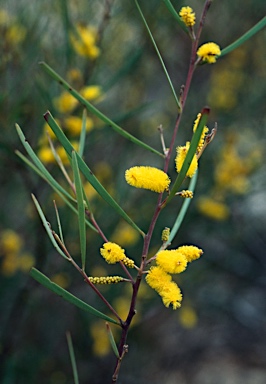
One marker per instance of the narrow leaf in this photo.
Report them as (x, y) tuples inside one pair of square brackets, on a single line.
[(183, 211), (190, 154), (112, 340), (256, 28), (87, 172), (82, 133), (35, 169), (72, 357), (81, 209), (59, 223), (95, 111), (47, 227), (159, 56), (39, 164), (46, 282)]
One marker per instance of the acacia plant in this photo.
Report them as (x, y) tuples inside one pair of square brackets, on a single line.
[(158, 269)]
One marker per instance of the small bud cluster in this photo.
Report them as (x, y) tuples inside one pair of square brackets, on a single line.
[(188, 16), (165, 234), (106, 280), (186, 194), (128, 262)]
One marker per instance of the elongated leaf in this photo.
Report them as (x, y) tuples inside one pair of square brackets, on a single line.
[(59, 223), (96, 112), (190, 154), (39, 164), (112, 340), (46, 282), (35, 169), (183, 211), (81, 209), (173, 12), (87, 172), (82, 133), (72, 358), (159, 56), (47, 227), (261, 24)]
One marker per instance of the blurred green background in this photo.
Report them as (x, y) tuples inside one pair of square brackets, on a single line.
[(219, 334)]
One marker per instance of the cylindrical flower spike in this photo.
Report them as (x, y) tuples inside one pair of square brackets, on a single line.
[(208, 52), (171, 261), (106, 280), (188, 16), (157, 278), (150, 178), (191, 252), (180, 158), (112, 252), (204, 132)]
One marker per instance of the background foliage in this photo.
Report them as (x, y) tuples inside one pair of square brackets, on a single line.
[(220, 327)]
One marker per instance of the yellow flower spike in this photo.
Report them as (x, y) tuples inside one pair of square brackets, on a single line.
[(157, 278), (208, 52), (150, 178), (65, 103), (213, 209), (124, 234), (46, 155), (112, 253), (188, 317), (191, 252), (188, 16), (171, 261), (10, 265), (171, 295), (91, 92), (100, 342), (74, 124), (15, 34), (180, 158), (85, 43), (204, 132), (10, 241), (25, 262)]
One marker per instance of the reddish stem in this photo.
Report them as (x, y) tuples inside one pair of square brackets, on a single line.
[(147, 239)]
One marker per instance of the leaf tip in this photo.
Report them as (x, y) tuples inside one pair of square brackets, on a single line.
[(46, 115), (205, 110)]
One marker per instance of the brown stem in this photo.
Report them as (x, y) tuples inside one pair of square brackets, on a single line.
[(147, 238), (87, 280), (96, 225)]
